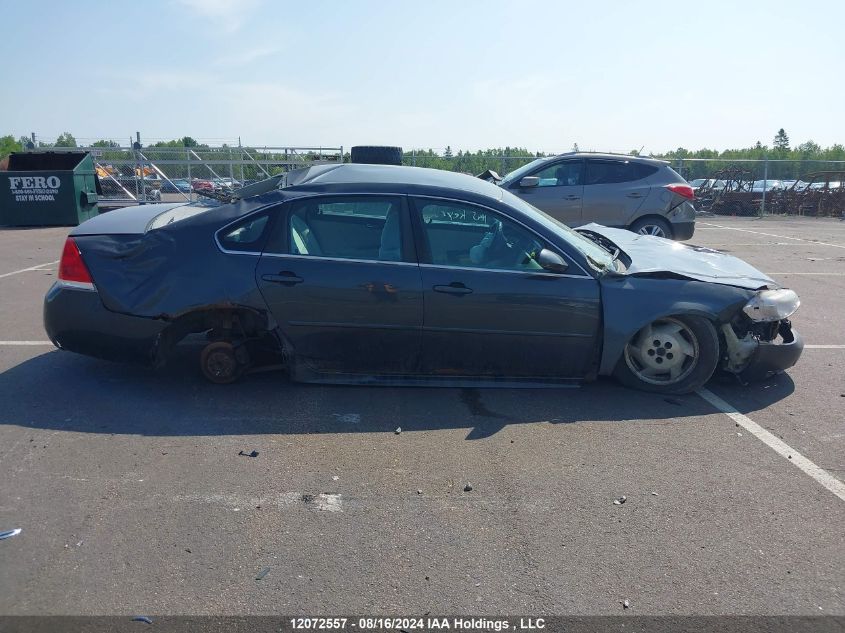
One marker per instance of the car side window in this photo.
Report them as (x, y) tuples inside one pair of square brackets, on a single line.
[(473, 237), (605, 172), (355, 227), (566, 174), (245, 236)]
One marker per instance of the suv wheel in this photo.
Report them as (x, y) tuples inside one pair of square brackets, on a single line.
[(658, 227)]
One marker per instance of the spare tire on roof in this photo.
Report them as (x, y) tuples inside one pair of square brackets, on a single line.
[(376, 155)]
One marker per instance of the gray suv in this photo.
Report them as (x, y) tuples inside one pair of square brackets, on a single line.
[(640, 194)]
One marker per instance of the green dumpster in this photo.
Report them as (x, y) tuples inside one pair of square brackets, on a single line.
[(48, 188)]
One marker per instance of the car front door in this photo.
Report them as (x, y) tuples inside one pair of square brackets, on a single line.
[(559, 192), (490, 309), (339, 274), (614, 190)]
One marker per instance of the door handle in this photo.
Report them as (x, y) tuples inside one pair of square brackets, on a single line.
[(571, 197), (635, 194), (454, 288), (285, 277)]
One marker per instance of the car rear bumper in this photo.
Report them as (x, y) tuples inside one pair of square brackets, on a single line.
[(773, 357), (683, 230), (76, 320)]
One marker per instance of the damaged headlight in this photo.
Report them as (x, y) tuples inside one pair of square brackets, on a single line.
[(772, 305)]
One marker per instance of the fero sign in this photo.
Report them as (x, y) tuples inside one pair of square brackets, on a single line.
[(35, 188)]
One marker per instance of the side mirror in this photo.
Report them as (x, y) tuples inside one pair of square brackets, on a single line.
[(551, 261), (529, 181)]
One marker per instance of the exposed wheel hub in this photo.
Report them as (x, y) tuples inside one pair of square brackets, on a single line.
[(221, 364)]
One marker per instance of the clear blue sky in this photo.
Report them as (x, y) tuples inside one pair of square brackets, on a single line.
[(464, 73)]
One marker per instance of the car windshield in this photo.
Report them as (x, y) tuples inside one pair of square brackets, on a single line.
[(599, 258), (518, 173)]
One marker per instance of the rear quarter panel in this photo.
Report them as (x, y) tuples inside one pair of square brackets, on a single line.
[(168, 272)]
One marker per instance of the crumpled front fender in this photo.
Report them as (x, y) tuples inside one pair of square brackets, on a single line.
[(632, 302)]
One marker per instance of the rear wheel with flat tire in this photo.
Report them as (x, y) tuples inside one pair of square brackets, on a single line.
[(671, 355), (657, 227)]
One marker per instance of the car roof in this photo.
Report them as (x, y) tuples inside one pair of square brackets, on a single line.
[(609, 155), (387, 177)]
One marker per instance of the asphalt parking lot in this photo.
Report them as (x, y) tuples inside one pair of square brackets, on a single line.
[(132, 496)]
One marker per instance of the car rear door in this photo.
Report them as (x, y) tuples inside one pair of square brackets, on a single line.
[(339, 274), (560, 191), (614, 189), (493, 311)]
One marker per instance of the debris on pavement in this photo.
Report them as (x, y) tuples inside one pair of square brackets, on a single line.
[(323, 502), (620, 500), (468, 487), (335, 477), (252, 454), (9, 533), (262, 573), (654, 494), (142, 618), (398, 430), (626, 604), (419, 491)]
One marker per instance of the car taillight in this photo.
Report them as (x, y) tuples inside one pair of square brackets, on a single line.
[(685, 191), (72, 268)]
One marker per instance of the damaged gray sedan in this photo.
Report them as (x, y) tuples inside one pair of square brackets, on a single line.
[(370, 274)]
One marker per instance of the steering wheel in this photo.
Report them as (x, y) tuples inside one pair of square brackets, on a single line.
[(506, 244)]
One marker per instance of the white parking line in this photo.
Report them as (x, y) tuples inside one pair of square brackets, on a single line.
[(776, 444), (808, 274), (824, 347), (781, 237), (26, 270), (25, 343)]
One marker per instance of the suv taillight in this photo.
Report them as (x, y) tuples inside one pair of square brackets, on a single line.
[(685, 191), (72, 268)]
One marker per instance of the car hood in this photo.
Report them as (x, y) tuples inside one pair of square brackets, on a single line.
[(655, 255)]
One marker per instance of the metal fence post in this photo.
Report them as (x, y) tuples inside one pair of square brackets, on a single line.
[(190, 181), (765, 182), (241, 159)]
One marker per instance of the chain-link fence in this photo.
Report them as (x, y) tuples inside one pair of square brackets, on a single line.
[(766, 186), (130, 175)]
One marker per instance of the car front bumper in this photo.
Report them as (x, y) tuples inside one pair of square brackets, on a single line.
[(772, 357), (76, 320)]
